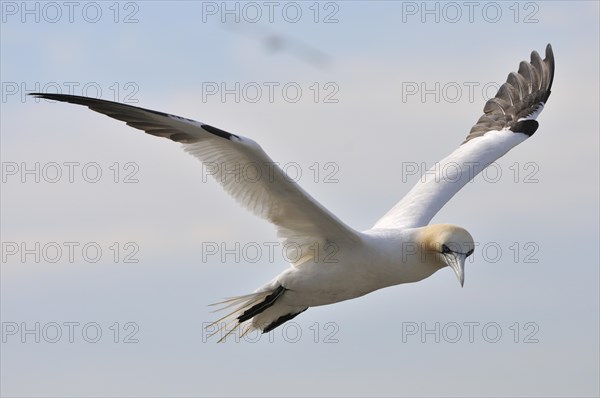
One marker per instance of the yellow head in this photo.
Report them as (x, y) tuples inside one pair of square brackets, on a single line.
[(447, 245)]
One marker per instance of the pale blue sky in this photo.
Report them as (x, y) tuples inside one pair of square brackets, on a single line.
[(544, 283)]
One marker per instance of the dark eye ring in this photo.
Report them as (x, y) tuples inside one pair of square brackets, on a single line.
[(446, 249)]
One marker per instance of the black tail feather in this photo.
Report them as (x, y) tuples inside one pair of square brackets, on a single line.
[(260, 307), (282, 319)]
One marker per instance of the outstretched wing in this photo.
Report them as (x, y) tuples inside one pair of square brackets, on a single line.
[(508, 120), (245, 171)]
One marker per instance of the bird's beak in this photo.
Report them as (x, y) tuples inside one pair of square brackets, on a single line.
[(456, 261)]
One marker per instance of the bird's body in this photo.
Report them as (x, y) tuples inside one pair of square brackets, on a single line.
[(381, 258), (331, 262), (378, 260)]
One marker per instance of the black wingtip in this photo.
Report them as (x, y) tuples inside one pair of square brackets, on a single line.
[(527, 127), (519, 98), (56, 96), (44, 95)]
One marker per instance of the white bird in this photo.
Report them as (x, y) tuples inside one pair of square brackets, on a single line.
[(334, 262)]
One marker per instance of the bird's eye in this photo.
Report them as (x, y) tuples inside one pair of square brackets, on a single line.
[(446, 249)]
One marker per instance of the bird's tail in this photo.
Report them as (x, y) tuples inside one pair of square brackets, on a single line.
[(245, 308)]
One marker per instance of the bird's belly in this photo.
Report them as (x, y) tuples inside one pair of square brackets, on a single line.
[(319, 284), (314, 284)]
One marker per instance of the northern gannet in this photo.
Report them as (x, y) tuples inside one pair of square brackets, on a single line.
[(400, 248)]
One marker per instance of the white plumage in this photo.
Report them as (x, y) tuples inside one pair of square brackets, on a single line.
[(335, 262)]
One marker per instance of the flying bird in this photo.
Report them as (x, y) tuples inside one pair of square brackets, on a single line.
[(276, 42), (334, 262)]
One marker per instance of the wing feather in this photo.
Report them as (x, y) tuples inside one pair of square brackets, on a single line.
[(244, 170), (508, 120)]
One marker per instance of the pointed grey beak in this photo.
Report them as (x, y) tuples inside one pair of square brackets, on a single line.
[(456, 261)]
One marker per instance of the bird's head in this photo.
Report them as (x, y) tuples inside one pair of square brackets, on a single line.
[(448, 245)]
